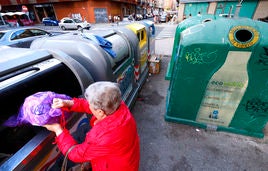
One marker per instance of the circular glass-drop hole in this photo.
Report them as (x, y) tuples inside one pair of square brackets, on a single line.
[(243, 35)]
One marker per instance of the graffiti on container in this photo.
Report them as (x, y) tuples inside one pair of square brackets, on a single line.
[(264, 57), (257, 107), (198, 57)]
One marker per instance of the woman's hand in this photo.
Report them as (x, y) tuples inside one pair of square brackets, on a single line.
[(59, 103), (56, 128)]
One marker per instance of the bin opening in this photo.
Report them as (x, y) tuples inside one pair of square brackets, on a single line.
[(243, 35)]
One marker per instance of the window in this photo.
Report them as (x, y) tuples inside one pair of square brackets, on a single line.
[(37, 32), (77, 20), (68, 21), (19, 34), (25, 33)]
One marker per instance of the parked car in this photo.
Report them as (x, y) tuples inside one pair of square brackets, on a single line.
[(47, 21), (73, 23), (22, 37), (264, 19)]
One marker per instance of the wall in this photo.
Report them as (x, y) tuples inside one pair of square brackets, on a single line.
[(250, 8), (261, 10), (88, 8), (181, 12), (68, 8), (194, 8), (212, 7)]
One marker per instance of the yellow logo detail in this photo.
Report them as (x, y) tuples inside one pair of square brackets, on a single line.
[(243, 36)]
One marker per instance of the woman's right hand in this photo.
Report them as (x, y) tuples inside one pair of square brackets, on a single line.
[(59, 103)]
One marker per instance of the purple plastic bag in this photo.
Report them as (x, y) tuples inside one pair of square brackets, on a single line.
[(37, 110)]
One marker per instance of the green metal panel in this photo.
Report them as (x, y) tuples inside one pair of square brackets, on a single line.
[(220, 80), (223, 7), (248, 8), (194, 8), (226, 7)]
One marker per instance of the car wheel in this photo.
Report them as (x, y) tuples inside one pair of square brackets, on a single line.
[(63, 28)]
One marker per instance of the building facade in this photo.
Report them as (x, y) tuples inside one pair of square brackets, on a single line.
[(94, 11)]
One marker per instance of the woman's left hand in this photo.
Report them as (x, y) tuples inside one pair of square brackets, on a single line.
[(56, 128)]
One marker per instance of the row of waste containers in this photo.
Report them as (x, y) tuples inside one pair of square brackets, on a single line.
[(66, 64), (218, 77)]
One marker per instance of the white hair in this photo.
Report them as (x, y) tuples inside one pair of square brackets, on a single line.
[(104, 95)]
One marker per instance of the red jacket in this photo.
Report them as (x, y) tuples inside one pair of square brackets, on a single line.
[(111, 145)]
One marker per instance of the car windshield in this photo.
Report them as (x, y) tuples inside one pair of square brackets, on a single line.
[(20, 34), (77, 20), (37, 32)]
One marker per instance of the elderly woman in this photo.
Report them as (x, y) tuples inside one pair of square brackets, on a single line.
[(112, 144)]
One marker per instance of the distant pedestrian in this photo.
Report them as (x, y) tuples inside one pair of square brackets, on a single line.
[(19, 23), (174, 18), (131, 17), (156, 19), (116, 19), (110, 19)]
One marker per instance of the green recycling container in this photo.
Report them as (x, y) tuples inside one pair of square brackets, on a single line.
[(182, 26), (219, 79)]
